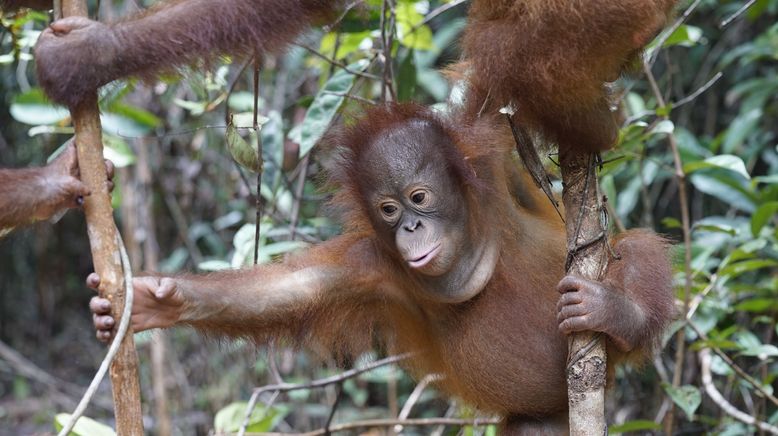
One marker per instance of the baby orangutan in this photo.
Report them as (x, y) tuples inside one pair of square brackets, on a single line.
[(447, 252)]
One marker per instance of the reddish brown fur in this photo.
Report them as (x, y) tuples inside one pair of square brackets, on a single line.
[(171, 34), (551, 58), (500, 351), (34, 194)]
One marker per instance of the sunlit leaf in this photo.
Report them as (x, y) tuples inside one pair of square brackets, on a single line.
[(230, 418), (325, 106), (406, 78), (85, 426), (213, 265), (633, 426), (726, 161), (687, 398), (244, 153), (739, 268), (117, 151), (685, 35), (763, 214), (33, 108), (740, 128)]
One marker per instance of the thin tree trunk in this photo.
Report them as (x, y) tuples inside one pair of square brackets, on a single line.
[(588, 258), (105, 253)]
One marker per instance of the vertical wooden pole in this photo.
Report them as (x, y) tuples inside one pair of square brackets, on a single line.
[(588, 258), (105, 253)]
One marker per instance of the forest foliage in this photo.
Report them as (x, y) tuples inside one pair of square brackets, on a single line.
[(185, 200)]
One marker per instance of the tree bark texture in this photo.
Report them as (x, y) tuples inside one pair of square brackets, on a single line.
[(588, 258), (105, 252)]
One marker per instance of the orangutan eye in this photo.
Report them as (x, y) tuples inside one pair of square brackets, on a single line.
[(419, 197), (389, 209)]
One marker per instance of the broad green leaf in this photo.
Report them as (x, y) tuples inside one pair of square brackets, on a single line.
[(243, 101), (117, 151), (406, 78), (230, 418), (194, 107), (739, 268), (726, 161), (718, 184), (33, 108), (213, 265), (718, 228), (244, 153), (419, 38), (119, 125), (410, 30), (138, 115), (685, 35), (85, 426), (348, 43), (325, 106), (663, 127), (686, 397), (282, 247), (762, 351), (758, 305), (762, 216), (633, 426), (740, 128)]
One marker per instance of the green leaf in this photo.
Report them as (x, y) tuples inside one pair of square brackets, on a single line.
[(685, 35), (671, 223), (244, 153), (194, 107), (739, 268), (716, 228), (33, 108), (758, 305), (213, 265), (406, 78), (349, 42), (632, 426), (325, 106), (230, 418), (763, 214), (663, 127), (686, 397), (762, 351), (742, 126), (138, 115), (719, 184), (117, 151), (84, 426), (410, 30), (726, 161)]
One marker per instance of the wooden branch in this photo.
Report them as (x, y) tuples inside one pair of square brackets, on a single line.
[(587, 258), (726, 406), (105, 252)]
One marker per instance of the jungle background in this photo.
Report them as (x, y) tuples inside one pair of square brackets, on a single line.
[(701, 113)]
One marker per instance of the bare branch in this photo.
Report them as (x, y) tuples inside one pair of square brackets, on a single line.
[(726, 406), (724, 23), (286, 387), (326, 58), (734, 366)]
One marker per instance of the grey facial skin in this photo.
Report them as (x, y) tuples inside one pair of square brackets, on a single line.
[(416, 202)]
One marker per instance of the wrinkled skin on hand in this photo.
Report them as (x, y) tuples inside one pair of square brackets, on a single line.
[(60, 185), (588, 305), (158, 303), (75, 56)]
